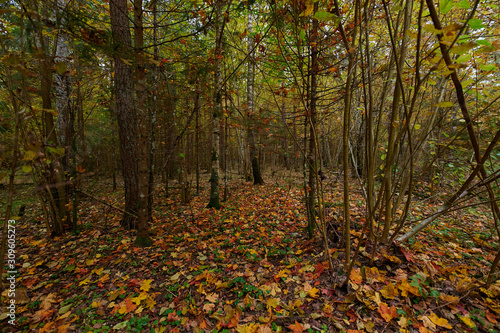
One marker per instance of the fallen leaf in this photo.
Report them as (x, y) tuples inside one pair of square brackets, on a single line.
[(467, 321), (439, 321), (389, 291), (146, 285), (356, 276), (387, 313), (296, 328)]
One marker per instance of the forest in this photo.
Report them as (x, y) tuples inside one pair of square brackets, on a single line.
[(250, 166)]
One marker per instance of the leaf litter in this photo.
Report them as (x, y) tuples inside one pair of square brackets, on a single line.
[(249, 267)]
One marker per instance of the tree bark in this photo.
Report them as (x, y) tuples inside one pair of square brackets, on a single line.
[(257, 176), (65, 112), (127, 120), (142, 238), (216, 109)]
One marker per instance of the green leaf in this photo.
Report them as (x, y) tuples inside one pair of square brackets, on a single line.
[(27, 168), (326, 16), (61, 67), (464, 4), (476, 24), (29, 155), (488, 68), (463, 58), (463, 48), (121, 325), (397, 8), (430, 28), (445, 6), (302, 34), (65, 309), (444, 104), (486, 49), (416, 126), (483, 42), (56, 150), (467, 82)]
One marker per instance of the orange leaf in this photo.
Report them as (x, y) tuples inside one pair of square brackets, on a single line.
[(296, 328), (130, 305), (63, 328), (355, 276), (491, 317), (387, 313)]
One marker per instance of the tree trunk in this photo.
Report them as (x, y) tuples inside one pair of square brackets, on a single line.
[(65, 113), (312, 160), (216, 109), (257, 176), (142, 238), (127, 120)]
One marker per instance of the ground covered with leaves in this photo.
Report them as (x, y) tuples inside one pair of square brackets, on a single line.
[(249, 267)]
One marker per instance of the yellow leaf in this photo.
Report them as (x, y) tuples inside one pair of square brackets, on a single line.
[(175, 277), (86, 281), (146, 285), (403, 322), (467, 321), (444, 104), (449, 299), (137, 300), (389, 291), (272, 303), (313, 292), (427, 323), (309, 9), (439, 321), (405, 287), (248, 328)]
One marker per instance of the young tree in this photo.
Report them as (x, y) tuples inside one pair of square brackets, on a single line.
[(216, 105)]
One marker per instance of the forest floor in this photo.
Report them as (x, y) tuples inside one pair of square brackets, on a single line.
[(248, 267)]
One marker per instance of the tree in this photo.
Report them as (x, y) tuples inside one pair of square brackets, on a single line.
[(125, 112), (257, 177), (216, 105), (65, 111), (142, 157)]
